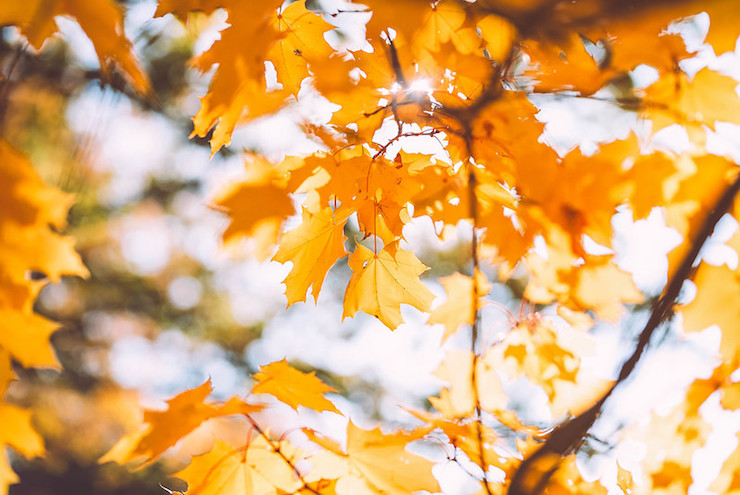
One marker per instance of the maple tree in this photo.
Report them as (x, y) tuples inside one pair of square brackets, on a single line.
[(464, 78)]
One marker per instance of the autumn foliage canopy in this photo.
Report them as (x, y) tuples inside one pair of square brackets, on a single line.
[(464, 81)]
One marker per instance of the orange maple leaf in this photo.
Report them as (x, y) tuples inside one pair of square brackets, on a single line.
[(184, 413), (293, 387), (102, 22)]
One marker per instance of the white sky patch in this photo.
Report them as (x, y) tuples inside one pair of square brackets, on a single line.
[(145, 152), (715, 251), (171, 363), (146, 244), (642, 247), (401, 361), (724, 140), (672, 138), (80, 45), (254, 289), (572, 122), (185, 292), (211, 32)]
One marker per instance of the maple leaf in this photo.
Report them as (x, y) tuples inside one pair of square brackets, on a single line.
[(313, 247), (238, 86), (301, 41), (556, 68), (549, 357), (19, 434), (657, 169), (498, 35), (604, 287), (709, 97), (293, 387), (255, 469), (17, 431), (716, 303), (459, 308), (102, 22), (26, 336), (184, 413), (247, 205), (381, 282), (29, 208), (722, 35), (458, 400), (374, 462)]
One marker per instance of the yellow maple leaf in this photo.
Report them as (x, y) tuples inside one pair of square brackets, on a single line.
[(26, 336), (238, 87), (716, 303), (446, 22), (570, 67), (604, 287), (723, 31), (458, 399), (255, 469), (28, 208), (459, 309), (301, 42), (549, 357), (381, 282), (374, 463), (313, 247), (17, 432), (648, 179), (293, 387), (257, 206), (707, 98), (498, 35)]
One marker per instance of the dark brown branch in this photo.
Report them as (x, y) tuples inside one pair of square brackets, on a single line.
[(565, 439)]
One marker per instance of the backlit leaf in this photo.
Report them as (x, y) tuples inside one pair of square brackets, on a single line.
[(313, 247), (382, 282), (293, 387)]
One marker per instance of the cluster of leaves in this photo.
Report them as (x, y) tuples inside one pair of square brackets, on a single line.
[(459, 75)]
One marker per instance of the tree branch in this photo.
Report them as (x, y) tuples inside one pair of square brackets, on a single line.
[(535, 471)]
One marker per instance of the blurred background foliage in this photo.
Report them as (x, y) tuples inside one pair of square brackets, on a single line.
[(164, 306)]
